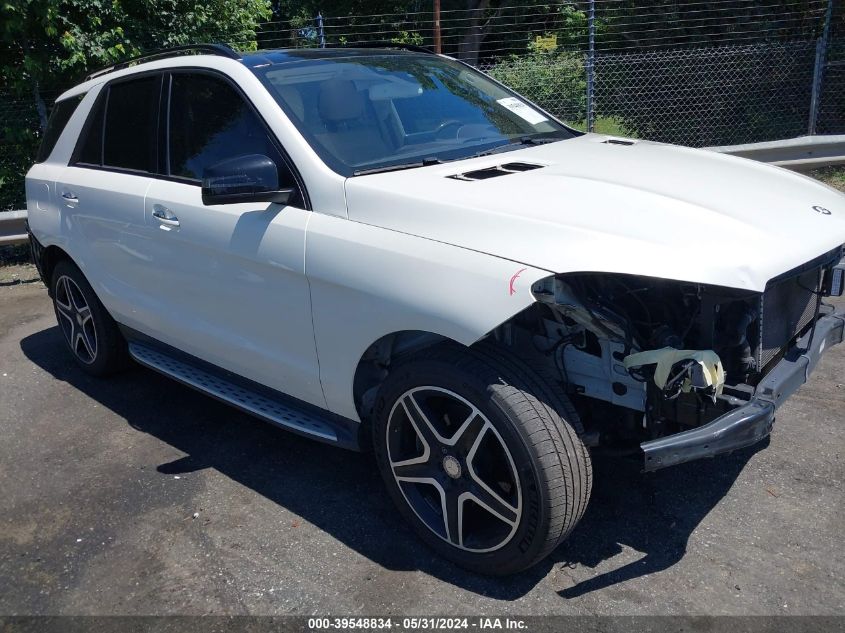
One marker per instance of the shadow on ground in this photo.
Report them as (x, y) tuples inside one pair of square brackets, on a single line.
[(340, 492)]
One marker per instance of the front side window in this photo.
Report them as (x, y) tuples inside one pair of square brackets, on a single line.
[(59, 117), (210, 122), (368, 110)]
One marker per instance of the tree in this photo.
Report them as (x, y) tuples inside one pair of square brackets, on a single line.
[(48, 41), (47, 45), (481, 19)]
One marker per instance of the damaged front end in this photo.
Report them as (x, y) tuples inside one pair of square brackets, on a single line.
[(677, 370)]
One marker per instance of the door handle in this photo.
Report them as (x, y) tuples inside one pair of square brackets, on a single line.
[(165, 215), (69, 196)]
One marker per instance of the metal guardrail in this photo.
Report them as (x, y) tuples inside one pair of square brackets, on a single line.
[(12, 227), (803, 152)]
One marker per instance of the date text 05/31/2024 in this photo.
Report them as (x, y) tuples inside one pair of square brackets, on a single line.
[(416, 623)]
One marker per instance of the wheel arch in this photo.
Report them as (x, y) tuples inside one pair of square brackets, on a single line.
[(50, 256), (375, 362), (370, 284)]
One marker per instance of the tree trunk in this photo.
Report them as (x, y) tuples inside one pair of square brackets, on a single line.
[(470, 46)]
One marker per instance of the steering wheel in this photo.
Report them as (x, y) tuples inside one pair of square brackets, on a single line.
[(447, 124)]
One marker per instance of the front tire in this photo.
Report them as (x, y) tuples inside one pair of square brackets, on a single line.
[(89, 332), (479, 456)]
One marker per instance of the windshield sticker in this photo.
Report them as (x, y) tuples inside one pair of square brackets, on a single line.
[(522, 110)]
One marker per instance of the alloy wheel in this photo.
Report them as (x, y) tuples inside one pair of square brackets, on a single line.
[(77, 321), (454, 469)]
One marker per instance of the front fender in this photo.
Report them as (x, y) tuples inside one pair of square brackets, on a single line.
[(367, 282)]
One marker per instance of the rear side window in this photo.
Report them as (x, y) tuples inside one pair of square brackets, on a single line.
[(130, 131), (211, 122), (62, 111), (90, 149)]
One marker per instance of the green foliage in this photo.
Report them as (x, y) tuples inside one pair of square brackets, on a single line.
[(46, 45), (573, 27), (554, 81), (605, 125), (405, 37)]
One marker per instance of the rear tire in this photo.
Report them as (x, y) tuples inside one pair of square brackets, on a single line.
[(476, 434), (88, 330)]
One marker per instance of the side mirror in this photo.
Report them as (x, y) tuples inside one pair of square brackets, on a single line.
[(249, 178)]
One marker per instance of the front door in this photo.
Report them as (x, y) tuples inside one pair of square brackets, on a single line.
[(229, 279)]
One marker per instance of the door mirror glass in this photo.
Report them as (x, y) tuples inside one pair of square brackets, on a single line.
[(249, 178)]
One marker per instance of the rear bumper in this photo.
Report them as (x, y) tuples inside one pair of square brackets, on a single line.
[(751, 422)]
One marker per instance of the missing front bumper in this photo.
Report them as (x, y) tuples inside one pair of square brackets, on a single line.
[(750, 423)]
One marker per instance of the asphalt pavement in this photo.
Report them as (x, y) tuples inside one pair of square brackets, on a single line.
[(135, 495)]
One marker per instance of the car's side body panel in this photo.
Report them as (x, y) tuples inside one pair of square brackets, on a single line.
[(228, 286), (367, 282), (98, 223)]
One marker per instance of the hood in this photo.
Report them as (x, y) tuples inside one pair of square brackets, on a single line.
[(640, 208)]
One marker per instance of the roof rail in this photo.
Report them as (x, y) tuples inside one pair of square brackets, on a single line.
[(383, 44), (208, 49)]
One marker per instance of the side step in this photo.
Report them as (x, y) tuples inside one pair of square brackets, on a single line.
[(292, 415)]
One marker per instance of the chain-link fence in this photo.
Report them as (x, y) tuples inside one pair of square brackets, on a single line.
[(691, 72), (708, 96)]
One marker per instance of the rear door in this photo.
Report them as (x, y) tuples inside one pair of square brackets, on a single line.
[(227, 282), (100, 194)]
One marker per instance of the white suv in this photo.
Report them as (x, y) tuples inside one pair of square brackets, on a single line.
[(386, 248)]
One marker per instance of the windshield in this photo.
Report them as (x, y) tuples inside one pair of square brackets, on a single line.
[(365, 112)]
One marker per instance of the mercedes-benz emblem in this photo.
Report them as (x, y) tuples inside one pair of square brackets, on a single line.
[(452, 466)]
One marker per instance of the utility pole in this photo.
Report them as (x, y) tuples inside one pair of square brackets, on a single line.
[(438, 44)]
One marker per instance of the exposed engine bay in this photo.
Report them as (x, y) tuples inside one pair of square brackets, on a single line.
[(642, 358)]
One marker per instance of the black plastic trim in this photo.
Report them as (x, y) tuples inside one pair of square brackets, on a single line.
[(37, 251), (750, 423)]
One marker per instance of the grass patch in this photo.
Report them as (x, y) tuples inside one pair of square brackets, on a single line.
[(832, 176), (603, 125)]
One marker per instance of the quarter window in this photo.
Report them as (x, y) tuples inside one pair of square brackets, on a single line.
[(210, 122), (62, 111)]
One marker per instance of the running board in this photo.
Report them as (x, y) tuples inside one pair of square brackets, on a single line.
[(301, 418)]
